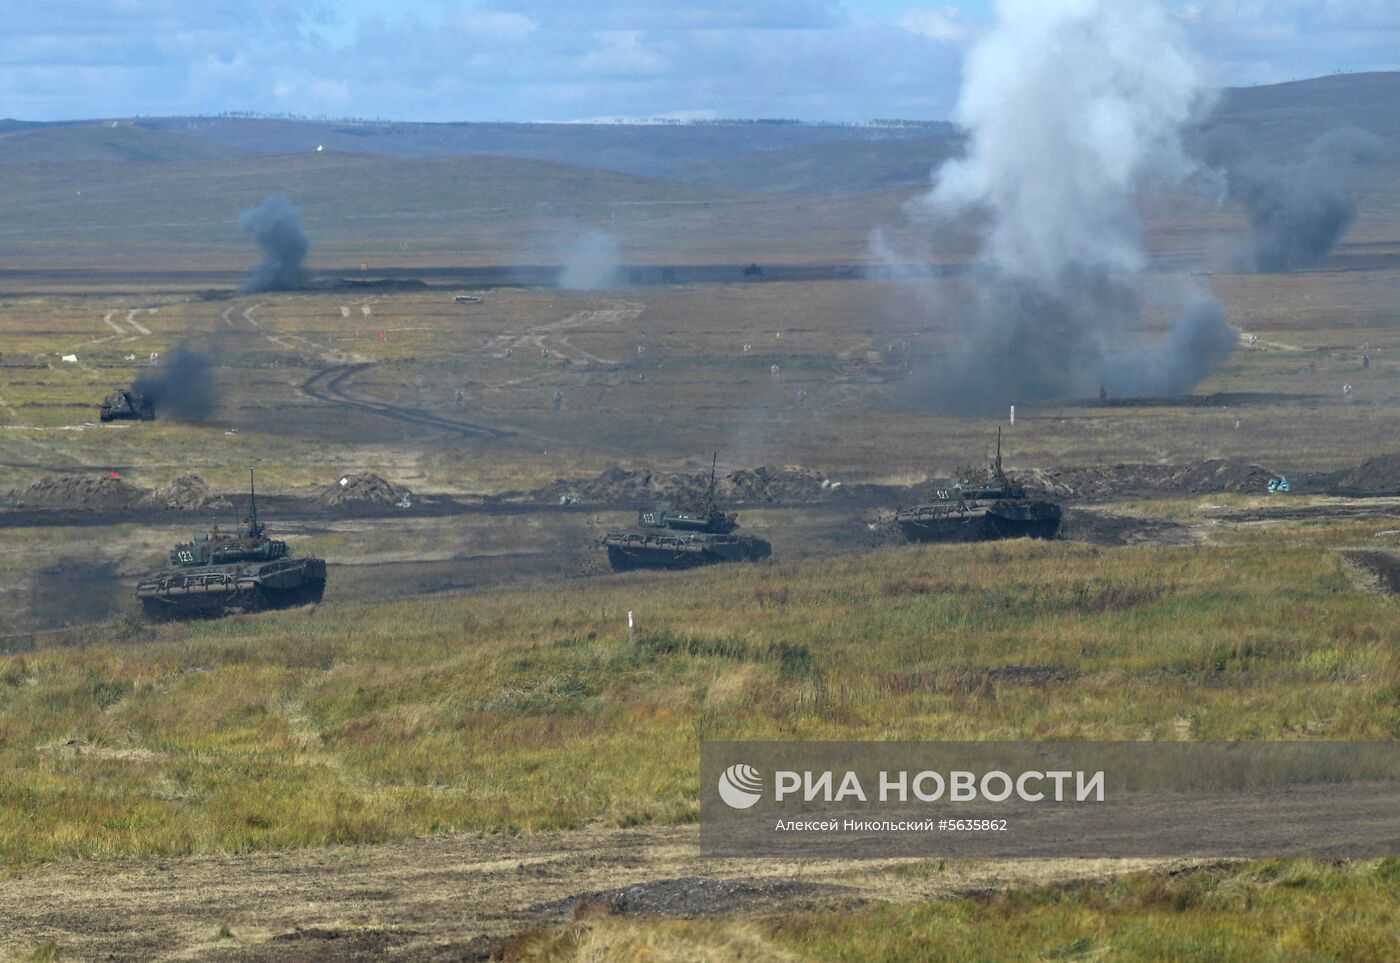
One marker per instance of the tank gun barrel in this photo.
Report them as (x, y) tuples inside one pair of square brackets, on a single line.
[(710, 493), (254, 529)]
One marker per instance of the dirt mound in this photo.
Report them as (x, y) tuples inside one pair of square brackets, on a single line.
[(744, 486), (1222, 475), (1039, 483), (1374, 476), (691, 896), (366, 488), (188, 493), (95, 492), (1212, 476), (765, 484)]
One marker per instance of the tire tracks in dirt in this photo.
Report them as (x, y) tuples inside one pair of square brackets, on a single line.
[(331, 386), (452, 896)]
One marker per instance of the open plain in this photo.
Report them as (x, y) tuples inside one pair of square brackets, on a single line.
[(463, 752)]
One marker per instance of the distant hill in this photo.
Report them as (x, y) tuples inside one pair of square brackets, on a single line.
[(391, 211), (647, 150), (168, 191), (1285, 116), (22, 143), (836, 167)]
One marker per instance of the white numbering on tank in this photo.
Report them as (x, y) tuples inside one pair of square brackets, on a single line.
[(185, 555), (740, 786)]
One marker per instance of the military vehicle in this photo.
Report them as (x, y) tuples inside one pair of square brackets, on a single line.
[(222, 572), (674, 537), (125, 403), (964, 512)]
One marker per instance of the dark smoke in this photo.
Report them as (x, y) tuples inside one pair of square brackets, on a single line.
[(1298, 210), (1035, 339), (182, 386), (275, 225), (1071, 107)]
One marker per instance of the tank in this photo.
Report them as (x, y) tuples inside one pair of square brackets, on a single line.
[(222, 572), (964, 512), (125, 403), (672, 537)]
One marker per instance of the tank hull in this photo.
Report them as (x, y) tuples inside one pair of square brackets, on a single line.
[(213, 590), (125, 405), (664, 549), (979, 523)]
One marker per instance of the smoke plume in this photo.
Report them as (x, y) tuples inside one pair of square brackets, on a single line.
[(588, 261), (182, 386), (1071, 106), (1298, 210), (275, 225)]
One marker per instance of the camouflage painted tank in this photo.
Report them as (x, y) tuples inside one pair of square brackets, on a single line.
[(125, 403), (681, 538), (222, 572), (997, 508)]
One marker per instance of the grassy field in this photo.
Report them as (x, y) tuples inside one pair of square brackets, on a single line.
[(1272, 911), (404, 708), (656, 377), (357, 723)]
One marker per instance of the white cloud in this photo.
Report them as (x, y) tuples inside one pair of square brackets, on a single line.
[(946, 24), (621, 53)]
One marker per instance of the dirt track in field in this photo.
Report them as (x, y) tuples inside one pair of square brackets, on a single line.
[(439, 898)]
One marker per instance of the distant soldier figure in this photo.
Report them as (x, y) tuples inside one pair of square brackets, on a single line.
[(558, 400), (1365, 360), (1253, 341), (544, 352), (641, 350), (509, 352), (461, 398), (1346, 391)]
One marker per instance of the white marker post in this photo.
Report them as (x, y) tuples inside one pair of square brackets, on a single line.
[(1013, 414), (630, 625)]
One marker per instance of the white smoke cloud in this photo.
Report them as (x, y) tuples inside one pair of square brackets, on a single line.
[(588, 261), (1071, 107)]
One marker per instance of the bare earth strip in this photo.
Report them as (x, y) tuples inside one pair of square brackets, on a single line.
[(442, 897)]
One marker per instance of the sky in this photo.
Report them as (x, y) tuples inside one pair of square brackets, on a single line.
[(578, 60)]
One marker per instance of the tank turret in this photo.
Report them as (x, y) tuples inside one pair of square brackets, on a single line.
[(218, 572), (967, 511), (125, 403), (681, 537)]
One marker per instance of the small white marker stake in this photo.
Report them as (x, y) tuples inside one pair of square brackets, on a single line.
[(1013, 414), (630, 624)]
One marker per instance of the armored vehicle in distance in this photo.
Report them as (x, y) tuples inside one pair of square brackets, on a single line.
[(222, 572), (671, 537), (997, 508), (125, 403)]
